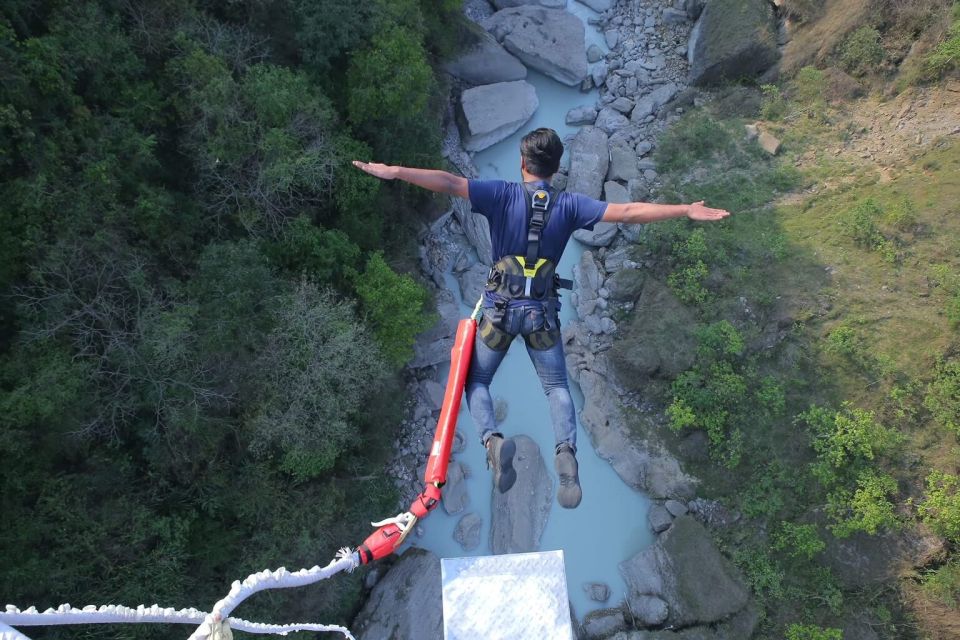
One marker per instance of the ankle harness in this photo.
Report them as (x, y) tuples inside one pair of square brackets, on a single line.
[(527, 277)]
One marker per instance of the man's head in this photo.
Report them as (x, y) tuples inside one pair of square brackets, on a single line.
[(540, 152)]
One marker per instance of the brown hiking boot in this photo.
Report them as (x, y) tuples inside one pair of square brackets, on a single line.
[(569, 493), (500, 454)]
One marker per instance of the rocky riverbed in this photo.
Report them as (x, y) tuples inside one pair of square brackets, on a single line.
[(656, 51)]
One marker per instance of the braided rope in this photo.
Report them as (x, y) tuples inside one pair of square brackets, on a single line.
[(215, 625)]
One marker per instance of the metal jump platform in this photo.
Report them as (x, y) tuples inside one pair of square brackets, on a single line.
[(508, 597)]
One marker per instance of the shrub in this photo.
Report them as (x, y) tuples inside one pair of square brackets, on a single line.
[(773, 105), (812, 632), (868, 509), (943, 394), (946, 57), (943, 583), (798, 540), (862, 51), (940, 509), (860, 224)]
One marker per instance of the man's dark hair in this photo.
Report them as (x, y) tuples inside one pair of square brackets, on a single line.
[(541, 150)]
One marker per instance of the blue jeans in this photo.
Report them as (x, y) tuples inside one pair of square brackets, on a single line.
[(550, 366)]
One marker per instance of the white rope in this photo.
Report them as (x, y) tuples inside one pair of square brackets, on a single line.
[(7, 633), (279, 579), (65, 614), (212, 626)]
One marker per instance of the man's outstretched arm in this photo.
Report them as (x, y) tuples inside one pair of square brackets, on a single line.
[(641, 212), (439, 181)]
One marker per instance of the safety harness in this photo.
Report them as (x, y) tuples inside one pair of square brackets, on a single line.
[(527, 277)]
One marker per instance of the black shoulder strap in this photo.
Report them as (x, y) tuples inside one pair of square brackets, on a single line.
[(538, 212)]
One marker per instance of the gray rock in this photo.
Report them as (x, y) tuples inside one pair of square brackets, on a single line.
[(615, 192), (594, 53), (601, 235), (659, 518), (597, 591), (404, 602), (645, 466), (623, 164), (430, 353), (676, 508), (623, 105), (649, 611), (476, 228), (467, 532), (506, 4), (646, 164), (612, 36), (548, 40), (607, 325), (625, 285), (674, 16), (644, 147), (658, 339), (519, 515), (492, 112), (455, 497), (685, 570), (433, 392), (589, 159), (472, 282), (581, 115), (712, 513), (599, 74), (603, 624), (597, 5), (693, 8), (651, 103), (731, 40), (486, 62), (448, 312), (769, 143), (611, 120)]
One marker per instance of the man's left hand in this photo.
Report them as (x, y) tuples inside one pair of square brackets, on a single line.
[(698, 211)]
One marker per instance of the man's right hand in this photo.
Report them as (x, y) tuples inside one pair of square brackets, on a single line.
[(383, 171)]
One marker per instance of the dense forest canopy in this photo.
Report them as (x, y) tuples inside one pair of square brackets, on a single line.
[(199, 292)]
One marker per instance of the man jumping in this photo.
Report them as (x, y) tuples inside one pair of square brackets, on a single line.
[(530, 224)]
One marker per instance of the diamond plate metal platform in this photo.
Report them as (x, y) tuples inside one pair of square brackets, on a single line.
[(509, 597)]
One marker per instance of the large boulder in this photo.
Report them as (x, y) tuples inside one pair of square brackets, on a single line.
[(472, 283), (548, 40), (686, 571), (603, 623), (551, 4), (643, 465), (404, 603), (623, 163), (732, 39), (486, 62), (519, 516), (476, 228), (657, 340), (467, 531), (492, 112), (589, 159)]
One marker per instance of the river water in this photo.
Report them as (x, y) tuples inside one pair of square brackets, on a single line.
[(610, 525)]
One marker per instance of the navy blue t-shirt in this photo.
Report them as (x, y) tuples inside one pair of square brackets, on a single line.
[(505, 206)]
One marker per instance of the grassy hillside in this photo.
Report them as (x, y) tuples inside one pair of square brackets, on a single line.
[(824, 401)]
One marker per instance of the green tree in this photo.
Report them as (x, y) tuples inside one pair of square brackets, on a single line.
[(312, 378), (396, 307), (812, 632)]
